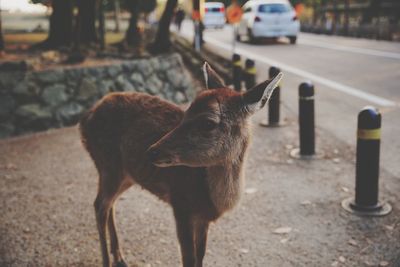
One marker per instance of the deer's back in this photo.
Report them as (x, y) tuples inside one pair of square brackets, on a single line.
[(117, 132), (121, 114), (126, 124)]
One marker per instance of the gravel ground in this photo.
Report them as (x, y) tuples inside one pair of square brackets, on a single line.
[(290, 213)]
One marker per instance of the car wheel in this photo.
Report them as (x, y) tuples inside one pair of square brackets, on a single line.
[(251, 37), (293, 39), (237, 36)]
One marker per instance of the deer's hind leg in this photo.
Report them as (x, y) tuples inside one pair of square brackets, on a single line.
[(110, 187), (114, 243)]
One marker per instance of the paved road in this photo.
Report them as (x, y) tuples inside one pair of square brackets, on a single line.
[(348, 74)]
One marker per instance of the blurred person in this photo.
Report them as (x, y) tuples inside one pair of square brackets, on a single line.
[(179, 17)]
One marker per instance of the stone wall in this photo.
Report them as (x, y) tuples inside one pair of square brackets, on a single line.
[(34, 101)]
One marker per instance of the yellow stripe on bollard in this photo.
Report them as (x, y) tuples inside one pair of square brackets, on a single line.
[(237, 63), (306, 98), (251, 70), (369, 134)]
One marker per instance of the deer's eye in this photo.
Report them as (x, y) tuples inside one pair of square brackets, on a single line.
[(207, 125)]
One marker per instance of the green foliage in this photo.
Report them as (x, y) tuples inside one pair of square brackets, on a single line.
[(293, 2), (148, 6), (229, 2), (145, 6), (310, 2), (43, 2)]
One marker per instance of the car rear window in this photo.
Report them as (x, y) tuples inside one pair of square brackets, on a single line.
[(273, 8), (215, 9)]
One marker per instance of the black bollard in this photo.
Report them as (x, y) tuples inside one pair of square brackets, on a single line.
[(306, 119), (273, 105), (237, 72), (249, 75), (367, 166), (306, 124)]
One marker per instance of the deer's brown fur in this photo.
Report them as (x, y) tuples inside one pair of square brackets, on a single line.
[(191, 159)]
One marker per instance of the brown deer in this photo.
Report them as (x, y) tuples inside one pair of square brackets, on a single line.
[(191, 159)]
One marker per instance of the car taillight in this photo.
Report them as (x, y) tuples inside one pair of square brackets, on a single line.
[(206, 9), (257, 19), (295, 18), (222, 9)]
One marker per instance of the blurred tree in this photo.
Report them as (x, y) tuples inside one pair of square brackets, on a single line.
[(315, 4), (136, 7), (335, 16), (102, 24), (85, 31), (1, 37), (60, 32), (228, 2), (372, 11), (133, 36), (346, 17), (147, 6), (162, 42), (43, 2), (117, 11)]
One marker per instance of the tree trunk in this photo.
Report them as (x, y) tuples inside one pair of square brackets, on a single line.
[(314, 18), (334, 18), (377, 10), (86, 22), (371, 11), (346, 17), (133, 36), (1, 37), (162, 42), (102, 25), (60, 32), (117, 12)]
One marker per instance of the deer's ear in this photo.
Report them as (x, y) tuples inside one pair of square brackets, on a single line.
[(211, 78), (256, 98)]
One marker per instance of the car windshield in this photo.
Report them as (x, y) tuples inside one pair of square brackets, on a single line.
[(273, 8)]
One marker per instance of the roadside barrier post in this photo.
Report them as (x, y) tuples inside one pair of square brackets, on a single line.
[(367, 166), (274, 103), (237, 72), (249, 74), (306, 119), (306, 124)]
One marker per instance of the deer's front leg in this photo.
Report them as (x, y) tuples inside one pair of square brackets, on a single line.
[(185, 232), (201, 231)]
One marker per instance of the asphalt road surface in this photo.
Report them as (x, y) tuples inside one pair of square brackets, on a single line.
[(348, 74)]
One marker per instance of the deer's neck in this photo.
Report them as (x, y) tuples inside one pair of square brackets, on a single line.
[(226, 183)]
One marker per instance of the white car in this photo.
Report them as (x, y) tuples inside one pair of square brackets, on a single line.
[(214, 15), (270, 19)]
